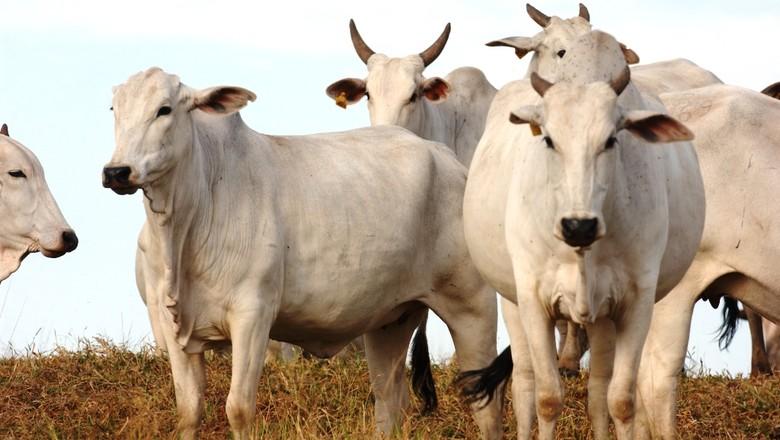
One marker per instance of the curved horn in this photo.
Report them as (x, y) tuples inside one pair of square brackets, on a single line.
[(540, 84), (362, 49), (619, 84), (4, 130), (540, 19), (584, 13), (430, 54)]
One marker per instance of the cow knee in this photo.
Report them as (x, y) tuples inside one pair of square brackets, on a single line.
[(240, 414), (622, 408), (549, 406)]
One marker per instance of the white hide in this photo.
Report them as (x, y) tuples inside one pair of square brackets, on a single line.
[(31, 219), (648, 197), (311, 240)]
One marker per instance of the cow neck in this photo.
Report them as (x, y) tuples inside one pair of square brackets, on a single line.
[(178, 207), (429, 122)]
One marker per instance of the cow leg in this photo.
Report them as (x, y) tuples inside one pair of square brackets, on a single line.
[(571, 350), (523, 385), (249, 332), (601, 336), (759, 361), (631, 332), (189, 384), (386, 350)]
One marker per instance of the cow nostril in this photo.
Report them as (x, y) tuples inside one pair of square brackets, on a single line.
[(70, 239), (119, 175)]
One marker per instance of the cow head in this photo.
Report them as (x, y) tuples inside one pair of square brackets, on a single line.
[(582, 128), (552, 44), (154, 128), (32, 221), (395, 87)]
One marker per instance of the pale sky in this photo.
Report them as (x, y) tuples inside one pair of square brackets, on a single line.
[(59, 60)]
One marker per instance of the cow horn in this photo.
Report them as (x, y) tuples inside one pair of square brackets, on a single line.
[(430, 54), (536, 15), (584, 13), (4, 130), (540, 84), (362, 49), (619, 84)]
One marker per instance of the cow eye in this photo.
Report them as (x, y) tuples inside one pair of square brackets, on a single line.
[(549, 142), (561, 53), (367, 97), (17, 173), (413, 98), (610, 144), (164, 110)]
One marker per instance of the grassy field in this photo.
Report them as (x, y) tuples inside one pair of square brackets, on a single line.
[(105, 391)]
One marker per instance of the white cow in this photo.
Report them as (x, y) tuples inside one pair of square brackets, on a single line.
[(581, 218), (31, 220), (549, 48), (312, 240), (450, 110)]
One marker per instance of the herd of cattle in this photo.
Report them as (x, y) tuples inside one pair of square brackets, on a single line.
[(584, 206)]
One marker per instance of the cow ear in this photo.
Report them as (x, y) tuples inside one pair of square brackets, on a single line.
[(528, 114), (435, 89), (4, 130), (347, 91), (223, 100), (773, 90), (655, 127), (522, 45), (630, 56)]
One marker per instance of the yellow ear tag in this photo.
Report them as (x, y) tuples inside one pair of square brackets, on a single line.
[(341, 100), (535, 130)]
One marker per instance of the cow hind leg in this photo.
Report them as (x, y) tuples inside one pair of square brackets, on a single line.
[(571, 348), (386, 350)]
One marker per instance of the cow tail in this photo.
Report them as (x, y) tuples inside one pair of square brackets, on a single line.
[(483, 385), (422, 376), (728, 328)]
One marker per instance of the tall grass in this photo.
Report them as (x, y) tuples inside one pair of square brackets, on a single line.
[(107, 391)]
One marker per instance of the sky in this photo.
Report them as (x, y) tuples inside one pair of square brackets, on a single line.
[(59, 60)]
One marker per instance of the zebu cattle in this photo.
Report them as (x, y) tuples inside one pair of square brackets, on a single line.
[(580, 218), (450, 110), (31, 220), (549, 48), (311, 240)]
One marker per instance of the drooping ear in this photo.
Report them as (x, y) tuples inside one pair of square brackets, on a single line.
[(4, 130), (346, 91), (222, 100), (630, 56), (522, 45), (435, 89), (528, 114), (655, 127), (773, 90)]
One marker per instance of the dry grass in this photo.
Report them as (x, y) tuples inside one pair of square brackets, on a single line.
[(106, 391)]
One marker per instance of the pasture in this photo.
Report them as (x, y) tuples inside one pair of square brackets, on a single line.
[(108, 391)]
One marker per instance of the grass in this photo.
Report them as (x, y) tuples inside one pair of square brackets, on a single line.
[(108, 391)]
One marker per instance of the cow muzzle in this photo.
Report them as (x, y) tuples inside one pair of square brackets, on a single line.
[(68, 242), (580, 232), (118, 180)]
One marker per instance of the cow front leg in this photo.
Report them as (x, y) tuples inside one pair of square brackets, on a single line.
[(386, 350), (631, 331), (249, 332), (601, 336), (189, 383), (523, 385)]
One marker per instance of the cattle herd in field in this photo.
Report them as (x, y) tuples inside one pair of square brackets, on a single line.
[(603, 198)]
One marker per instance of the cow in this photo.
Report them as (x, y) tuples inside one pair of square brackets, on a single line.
[(32, 221), (571, 213), (450, 110), (311, 240), (549, 47)]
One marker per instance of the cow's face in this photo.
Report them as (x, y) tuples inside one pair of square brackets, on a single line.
[(552, 45), (153, 126), (580, 126), (32, 221), (395, 87)]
